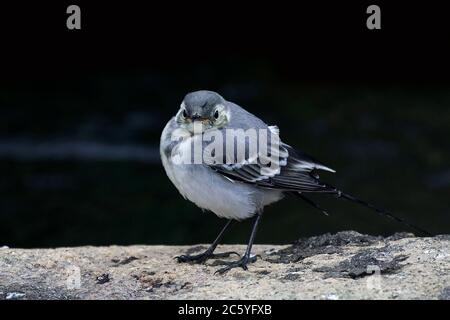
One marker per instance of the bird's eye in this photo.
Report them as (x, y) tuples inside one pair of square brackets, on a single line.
[(185, 113), (216, 114)]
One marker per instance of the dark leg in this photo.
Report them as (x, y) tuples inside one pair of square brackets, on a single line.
[(246, 258), (208, 254)]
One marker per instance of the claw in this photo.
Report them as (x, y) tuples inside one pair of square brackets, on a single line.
[(240, 263), (198, 258), (201, 258), (224, 254), (185, 258)]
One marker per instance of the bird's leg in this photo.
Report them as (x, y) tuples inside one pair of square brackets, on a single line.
[(246, 258), (208, 254)]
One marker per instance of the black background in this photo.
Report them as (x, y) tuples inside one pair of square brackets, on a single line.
[(266, 57), (411, 46)]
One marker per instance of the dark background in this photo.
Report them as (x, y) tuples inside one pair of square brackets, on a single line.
[(81, 114)]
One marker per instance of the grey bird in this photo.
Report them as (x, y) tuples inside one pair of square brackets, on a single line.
[(237, 191)]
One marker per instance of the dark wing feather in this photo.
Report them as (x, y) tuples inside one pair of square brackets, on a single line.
[(296, 173)]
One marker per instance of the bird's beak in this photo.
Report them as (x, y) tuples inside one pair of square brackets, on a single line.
[(197, 117)]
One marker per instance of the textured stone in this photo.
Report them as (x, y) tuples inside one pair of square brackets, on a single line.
[(346, 265)]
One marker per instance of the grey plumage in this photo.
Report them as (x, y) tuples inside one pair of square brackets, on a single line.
[(239, 190), (242, 188)]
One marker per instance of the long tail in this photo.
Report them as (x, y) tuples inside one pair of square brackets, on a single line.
[(310, 202), (340, 194)]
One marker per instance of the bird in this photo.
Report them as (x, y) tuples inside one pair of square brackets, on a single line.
[(239, 189)]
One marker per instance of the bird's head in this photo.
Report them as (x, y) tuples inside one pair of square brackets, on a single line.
[(203, 107)]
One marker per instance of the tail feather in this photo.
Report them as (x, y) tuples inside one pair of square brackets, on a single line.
[(310, 202), (383, 212)]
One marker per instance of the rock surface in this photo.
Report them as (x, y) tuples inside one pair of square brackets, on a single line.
[(346, 265)]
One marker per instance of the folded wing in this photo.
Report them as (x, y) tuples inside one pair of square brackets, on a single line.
[(296, 171)]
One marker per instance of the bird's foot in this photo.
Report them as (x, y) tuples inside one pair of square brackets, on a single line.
[(202, 257), (234, 264)]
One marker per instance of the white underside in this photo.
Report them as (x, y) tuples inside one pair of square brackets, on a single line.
[(211, 191)]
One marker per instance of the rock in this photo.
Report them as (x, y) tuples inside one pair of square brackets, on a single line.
[(104, 278), (346, 265), (14, 295), (445, 294), (365, 263)]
